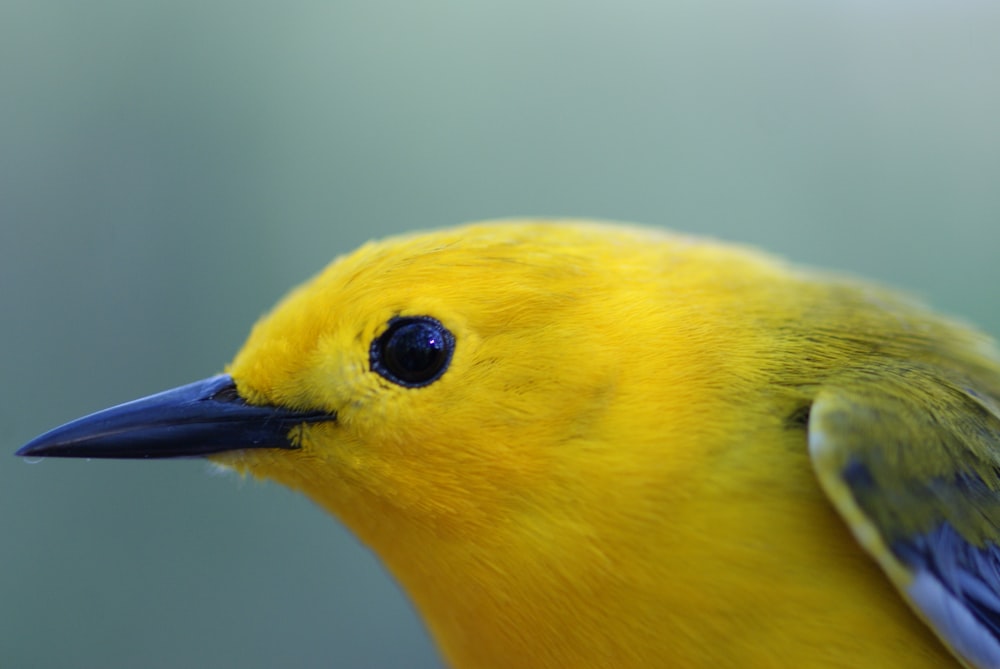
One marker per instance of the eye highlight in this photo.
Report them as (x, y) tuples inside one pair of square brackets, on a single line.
[(413, 351)]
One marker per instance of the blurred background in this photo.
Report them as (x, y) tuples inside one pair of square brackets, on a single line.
[(168, 169)]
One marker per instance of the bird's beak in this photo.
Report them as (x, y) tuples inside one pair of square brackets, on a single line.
[(200, 418)]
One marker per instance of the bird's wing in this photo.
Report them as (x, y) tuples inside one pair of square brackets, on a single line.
[(915, 471)]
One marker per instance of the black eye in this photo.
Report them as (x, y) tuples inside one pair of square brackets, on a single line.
[(413, 351)]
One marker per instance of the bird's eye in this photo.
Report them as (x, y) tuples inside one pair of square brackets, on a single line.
[(413, 351)]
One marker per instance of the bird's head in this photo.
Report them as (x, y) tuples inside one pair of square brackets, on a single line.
[(456, 380)]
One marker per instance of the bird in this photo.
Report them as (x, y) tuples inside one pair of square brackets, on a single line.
[(581, 443)]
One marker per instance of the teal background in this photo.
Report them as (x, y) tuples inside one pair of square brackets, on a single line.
[(169, 169)]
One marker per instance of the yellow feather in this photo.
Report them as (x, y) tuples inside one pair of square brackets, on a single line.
[(605, 475), (613, 468)]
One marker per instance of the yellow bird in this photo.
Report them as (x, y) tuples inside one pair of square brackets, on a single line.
[(579, 444)]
